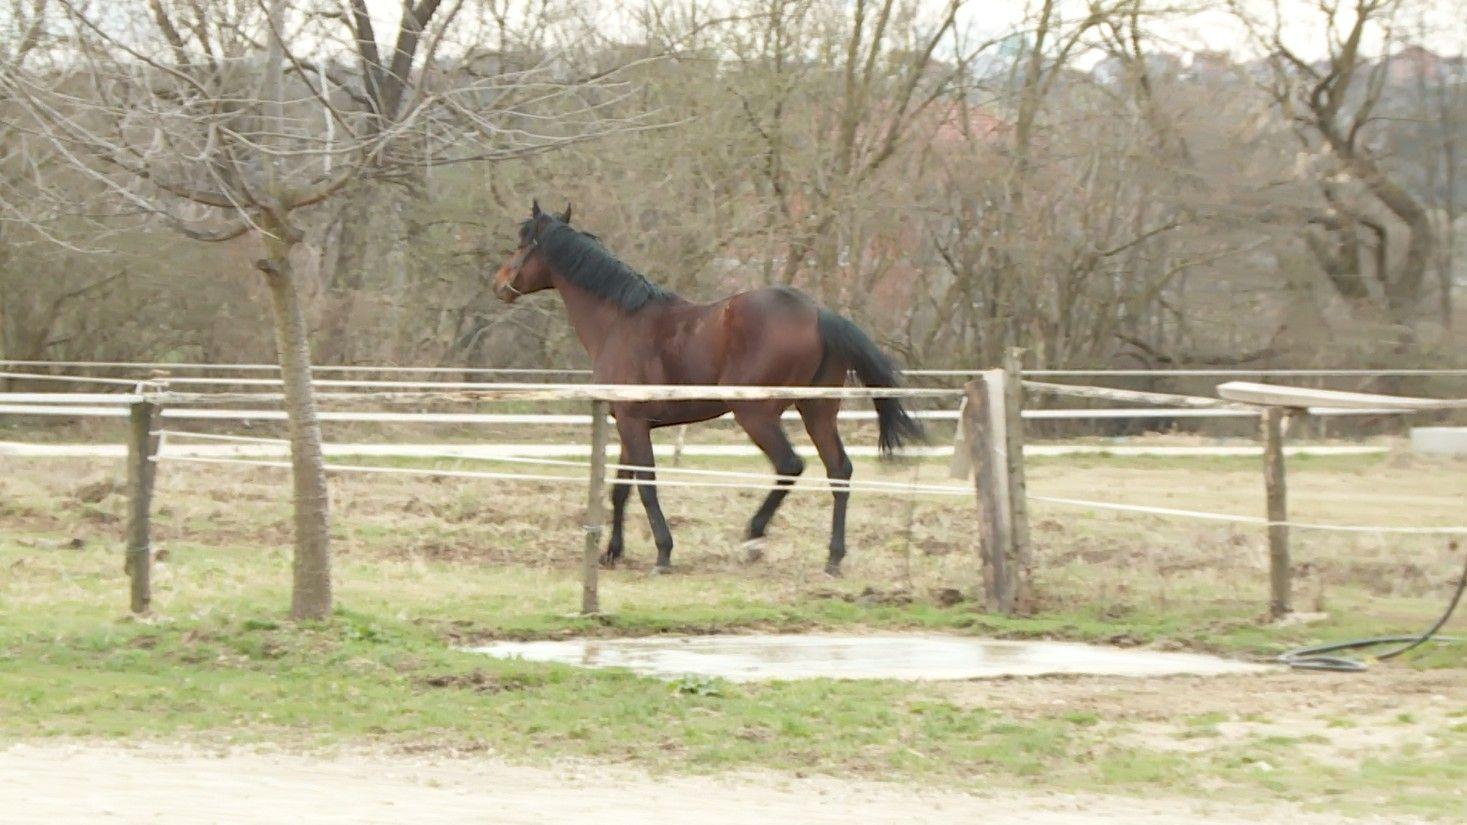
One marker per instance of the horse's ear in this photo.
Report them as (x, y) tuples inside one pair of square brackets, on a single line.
[(535, 208), (565, 216)]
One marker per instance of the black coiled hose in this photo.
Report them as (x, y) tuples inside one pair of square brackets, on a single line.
[(1317, 657)]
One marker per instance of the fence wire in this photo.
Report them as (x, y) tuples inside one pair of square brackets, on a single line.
[(792, 483)]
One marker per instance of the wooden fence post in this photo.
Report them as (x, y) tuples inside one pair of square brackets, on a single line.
[(962, 462), (1013, 409), (985, 423), (1276, 490), (595, 510), (142, 447)]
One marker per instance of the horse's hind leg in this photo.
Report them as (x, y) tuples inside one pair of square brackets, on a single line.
[(820, 422), (762, 424), (636, 445), (619, 495)]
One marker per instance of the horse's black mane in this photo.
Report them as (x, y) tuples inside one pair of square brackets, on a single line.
[(580, 258)]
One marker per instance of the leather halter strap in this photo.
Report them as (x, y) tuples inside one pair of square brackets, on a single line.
[(519, 264)]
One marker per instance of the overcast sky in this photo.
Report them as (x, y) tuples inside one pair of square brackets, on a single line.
[(1211, 26)]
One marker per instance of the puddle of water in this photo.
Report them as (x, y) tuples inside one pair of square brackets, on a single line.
[(761, 657)]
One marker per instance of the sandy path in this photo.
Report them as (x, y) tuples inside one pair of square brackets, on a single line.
[(92, 782)]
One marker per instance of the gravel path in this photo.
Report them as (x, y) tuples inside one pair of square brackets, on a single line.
[(60, 782)]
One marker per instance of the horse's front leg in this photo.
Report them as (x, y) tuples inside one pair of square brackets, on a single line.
[(636, 443)]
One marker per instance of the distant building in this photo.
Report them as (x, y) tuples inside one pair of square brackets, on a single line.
[(1212, 66), (1417, 64)]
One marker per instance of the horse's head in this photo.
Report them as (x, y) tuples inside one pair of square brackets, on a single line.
[(527, 270)]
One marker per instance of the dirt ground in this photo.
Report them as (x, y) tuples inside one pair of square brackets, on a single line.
[(1337, 719), (158, 783), (1309, 697)]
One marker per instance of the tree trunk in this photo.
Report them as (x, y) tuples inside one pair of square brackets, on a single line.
[(1403, 287), (310, 595), (311, 586)]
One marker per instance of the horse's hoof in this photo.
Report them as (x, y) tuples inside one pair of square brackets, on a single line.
[(662, 570), (753, 550), (833, 570), (608, 561)]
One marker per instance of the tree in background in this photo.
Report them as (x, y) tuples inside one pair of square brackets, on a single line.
[(1423, 125), (1077, 183), (31, 211), (833, 97), (1335, 104), (501, 50)]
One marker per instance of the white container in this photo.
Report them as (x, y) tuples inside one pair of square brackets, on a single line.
[(1439, 440)]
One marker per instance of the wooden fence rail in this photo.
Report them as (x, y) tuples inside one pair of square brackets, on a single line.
[(1305, 397), (1138, 396), (384, 369)]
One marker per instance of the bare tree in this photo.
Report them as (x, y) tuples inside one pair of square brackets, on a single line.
[(1424, 122), (226, 119), (1335, 104), (819, 161), (36, 208), (364, 248), (17, 164)]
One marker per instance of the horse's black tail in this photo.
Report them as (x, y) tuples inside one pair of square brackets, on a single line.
[(844, 339)]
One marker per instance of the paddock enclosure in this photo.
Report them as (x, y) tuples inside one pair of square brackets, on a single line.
[(466, 628), (921, 526)]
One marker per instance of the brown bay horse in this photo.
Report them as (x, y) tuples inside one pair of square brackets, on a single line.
[(638, 333)]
